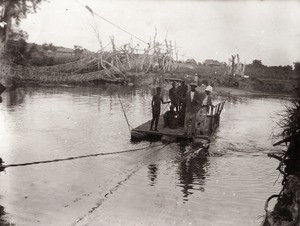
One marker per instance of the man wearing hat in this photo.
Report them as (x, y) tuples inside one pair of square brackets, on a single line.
[(201, 116), (193, 104), (207, 99)]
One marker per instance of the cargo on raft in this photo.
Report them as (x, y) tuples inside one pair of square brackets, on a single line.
[(206, 125)]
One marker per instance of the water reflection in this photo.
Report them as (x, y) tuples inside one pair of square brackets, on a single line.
[(3, 221), (152, 173), (233, 99), (2, 211), (14, 97), (192, 175)]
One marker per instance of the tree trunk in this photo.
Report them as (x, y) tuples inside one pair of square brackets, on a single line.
[(5, 30)]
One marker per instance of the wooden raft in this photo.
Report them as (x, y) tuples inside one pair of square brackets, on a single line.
[(203, 131), (145, 128)]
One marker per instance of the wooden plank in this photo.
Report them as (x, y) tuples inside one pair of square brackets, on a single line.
[(213, 117), (211, 120), (223, 103), (173, 79), (179, 132), (218, 109)]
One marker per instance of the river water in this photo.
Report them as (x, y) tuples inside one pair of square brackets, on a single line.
[(154, 186)]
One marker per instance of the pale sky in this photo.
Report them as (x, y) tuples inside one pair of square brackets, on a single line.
[(264, 30)]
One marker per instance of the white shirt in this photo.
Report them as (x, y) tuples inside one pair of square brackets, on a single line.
[(204, 103), (192, 95)]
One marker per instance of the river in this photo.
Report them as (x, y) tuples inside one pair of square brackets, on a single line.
[(153, 186)]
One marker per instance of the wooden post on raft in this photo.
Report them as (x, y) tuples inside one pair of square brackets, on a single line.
[(232, 65)]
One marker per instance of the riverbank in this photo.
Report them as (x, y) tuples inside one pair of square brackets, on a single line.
[(148, 80), (229, 91), (287, 208), (138, 79)]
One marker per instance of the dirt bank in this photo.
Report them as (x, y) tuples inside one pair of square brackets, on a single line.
[(236, 92), (153, 80)]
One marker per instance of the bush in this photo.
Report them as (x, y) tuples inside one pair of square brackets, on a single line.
[(16, 51)]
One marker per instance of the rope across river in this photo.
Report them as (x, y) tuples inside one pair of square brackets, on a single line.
[(128, 124), (81, 156)]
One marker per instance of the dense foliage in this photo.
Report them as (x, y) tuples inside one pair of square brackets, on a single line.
[(31, 54), (12, 11)]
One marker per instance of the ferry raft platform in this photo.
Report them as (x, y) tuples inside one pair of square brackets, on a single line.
[(203, 133)]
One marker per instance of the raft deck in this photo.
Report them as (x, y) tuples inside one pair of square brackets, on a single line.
[(177, 133), (203, 131)]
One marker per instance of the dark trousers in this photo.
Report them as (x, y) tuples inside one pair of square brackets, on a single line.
[(175, 105), (155, 117), (182, 106)]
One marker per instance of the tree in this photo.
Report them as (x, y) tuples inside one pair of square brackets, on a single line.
[(16, 50), (12, 11), (78, 50), (49, 46), (257, 63), (297, 67), (287, 68)]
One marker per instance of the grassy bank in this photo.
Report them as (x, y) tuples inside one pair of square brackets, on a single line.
[(287, 208)]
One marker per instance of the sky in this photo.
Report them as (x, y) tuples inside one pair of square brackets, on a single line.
[(263, 30)]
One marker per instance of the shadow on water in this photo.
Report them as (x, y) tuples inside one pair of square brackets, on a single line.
[(16, 97), (13, 98), (3, 221), (152, 174), (103, 89), (192, 174)]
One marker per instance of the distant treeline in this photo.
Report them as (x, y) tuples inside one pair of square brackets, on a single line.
[(258, 70), (273, 79), (282, 79), (255, 70), (31, 54)]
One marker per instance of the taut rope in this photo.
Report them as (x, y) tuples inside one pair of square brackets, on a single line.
[(78, 157)]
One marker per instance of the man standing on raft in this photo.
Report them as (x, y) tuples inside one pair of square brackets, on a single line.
[(193, 104), (156, 103)]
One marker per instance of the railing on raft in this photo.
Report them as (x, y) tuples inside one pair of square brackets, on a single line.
[(207, 123)]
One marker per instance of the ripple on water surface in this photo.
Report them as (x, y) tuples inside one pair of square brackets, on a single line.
[(150, 187)]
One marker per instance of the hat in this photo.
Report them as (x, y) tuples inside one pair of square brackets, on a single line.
[(194, 84), (209, 89)]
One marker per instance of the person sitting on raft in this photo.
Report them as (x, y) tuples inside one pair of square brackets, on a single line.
[(169, 118), (156, 102), (173, 96)]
